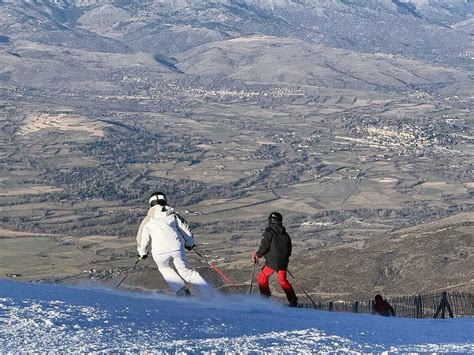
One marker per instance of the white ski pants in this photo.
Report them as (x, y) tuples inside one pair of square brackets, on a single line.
[(175, 279)]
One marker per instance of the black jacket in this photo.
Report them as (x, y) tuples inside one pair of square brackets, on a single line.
[(383, 308), (275, 247)]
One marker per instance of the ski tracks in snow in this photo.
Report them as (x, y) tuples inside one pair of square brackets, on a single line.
[(38, 317)]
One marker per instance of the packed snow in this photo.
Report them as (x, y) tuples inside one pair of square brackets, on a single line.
[(42, 317)]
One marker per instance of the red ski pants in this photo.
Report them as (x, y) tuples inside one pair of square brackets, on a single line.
[(285, 285)]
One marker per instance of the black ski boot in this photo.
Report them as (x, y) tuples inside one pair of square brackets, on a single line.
[(293, 303), (183, 292)]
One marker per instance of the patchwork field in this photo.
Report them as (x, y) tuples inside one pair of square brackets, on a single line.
[(62, 122), (61, 193), (356, 133)]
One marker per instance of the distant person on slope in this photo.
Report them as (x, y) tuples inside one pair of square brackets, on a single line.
[(276, 248), (169, 235), (382, 307)]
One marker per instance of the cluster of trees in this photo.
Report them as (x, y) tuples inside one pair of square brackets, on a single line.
[(409, 215), (268, 151), (139, 147), (124, 223)]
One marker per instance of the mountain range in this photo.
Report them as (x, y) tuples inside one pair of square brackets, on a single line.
[(336, 43)]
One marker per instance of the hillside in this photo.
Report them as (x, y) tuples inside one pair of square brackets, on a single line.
[(274, 60), (37, 317), (417, 260), (351, 118), (427, 258), (169, 26)]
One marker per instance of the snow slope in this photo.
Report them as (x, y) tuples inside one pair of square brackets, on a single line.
[(40, 317)]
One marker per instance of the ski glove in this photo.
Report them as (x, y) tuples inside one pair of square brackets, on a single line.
[(144, 256), (254, 257), (189, 248)]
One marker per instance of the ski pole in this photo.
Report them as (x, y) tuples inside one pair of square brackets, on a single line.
[(216, 269), (128, 273), (301, 287), (251, 280)]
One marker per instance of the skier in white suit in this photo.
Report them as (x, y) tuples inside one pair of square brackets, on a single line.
[(169, 235)]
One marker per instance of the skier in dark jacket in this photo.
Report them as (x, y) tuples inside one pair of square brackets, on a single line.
[(382, 307), (276, 248)]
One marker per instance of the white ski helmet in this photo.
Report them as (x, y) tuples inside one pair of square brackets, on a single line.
[(157, 198)]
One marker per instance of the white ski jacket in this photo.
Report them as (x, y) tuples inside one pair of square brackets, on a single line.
[(167, 230)]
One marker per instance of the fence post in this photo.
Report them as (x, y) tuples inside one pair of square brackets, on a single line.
[(440, 308), (450, 311), (418, 307), (421, 306), (443, 305), (415, 301)]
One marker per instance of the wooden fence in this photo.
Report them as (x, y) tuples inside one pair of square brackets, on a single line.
[(442, 305)]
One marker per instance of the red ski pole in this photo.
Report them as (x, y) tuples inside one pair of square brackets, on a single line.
[(216, 269)]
